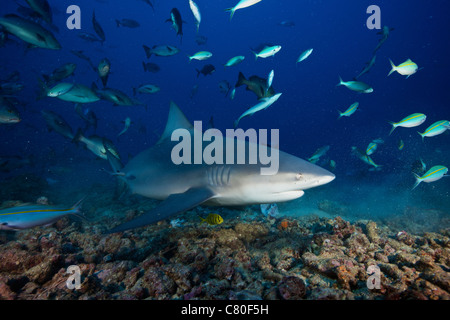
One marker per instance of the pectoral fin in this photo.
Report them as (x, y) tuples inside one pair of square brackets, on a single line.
[(174, 204)]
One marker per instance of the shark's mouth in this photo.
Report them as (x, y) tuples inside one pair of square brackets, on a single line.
[(289, 195)]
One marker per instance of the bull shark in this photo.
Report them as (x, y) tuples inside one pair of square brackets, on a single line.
[(182, 187)]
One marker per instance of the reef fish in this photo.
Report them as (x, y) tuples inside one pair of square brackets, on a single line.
[(262, 105), (367, 68), (127, 123), (29, 31), (257, 85), (371, 148), (319, 153), (401, 145), (212, 219), (413, 120), (365, 158), (267, 52), (129, 23), (58, 124), (384, 36), (29, 216), (434, 174), (435, 129), (177, 22), (8, 113), (209, 69), (234, 61), (304, 55), (98, 28), (161, 51), (201, 55), (60, 73), (103, 69), (196, 12)]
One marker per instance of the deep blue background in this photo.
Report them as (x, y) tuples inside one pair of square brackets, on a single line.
[(306, 113)]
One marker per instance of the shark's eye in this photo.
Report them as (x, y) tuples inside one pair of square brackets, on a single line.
[(298, 176)]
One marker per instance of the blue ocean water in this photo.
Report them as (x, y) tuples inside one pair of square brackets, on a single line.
[(306, 114)]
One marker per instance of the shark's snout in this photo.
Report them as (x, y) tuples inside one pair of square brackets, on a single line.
[(316, 178), (326, 179)]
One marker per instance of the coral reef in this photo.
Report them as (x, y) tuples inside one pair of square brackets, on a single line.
[(243, 258)]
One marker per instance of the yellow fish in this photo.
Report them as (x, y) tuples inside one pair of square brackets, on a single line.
[(401, 145), (407, 68), (212, 219)]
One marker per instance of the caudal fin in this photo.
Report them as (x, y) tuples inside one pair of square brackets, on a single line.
[(241, 80), (418, 181), (394, 68), (341, 83), (231, 10), (394, 125), (148, 51)]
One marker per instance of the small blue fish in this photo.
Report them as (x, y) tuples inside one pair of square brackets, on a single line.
[(29, 216), (371, 148), (413, 120), (434, 174), (351, 110), (401, 145), (435, 129)]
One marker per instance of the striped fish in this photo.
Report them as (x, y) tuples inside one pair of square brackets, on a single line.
[(196, 12), (241, 5), (435, 129), (407, 68), (434, 174), (29, 216), (401, 145), (365, 158), (212, 219), (351, 110), (413, 120), (371, 148)]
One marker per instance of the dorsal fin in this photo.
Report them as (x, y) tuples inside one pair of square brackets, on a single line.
[(176, 120)]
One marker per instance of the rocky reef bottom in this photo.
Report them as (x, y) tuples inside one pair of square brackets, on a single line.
[(247, 257)]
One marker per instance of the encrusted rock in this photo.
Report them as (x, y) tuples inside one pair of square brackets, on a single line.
[(292, 288)]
